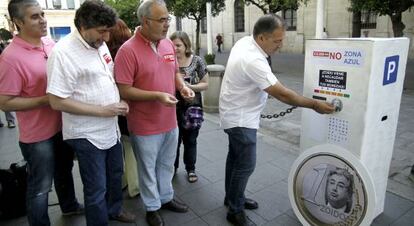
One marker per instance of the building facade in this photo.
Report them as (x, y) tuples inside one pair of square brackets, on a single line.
[(59, 14), (238, 21)]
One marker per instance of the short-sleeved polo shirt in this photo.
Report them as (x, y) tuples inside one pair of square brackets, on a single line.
[(242, 95), (23, 74), (139, 65)]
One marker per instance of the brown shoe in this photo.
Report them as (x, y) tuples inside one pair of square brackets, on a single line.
[(124, 216), (175, 206), (154, 218)]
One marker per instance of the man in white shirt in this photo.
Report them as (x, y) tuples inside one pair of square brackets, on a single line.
[(82, 86), (246, 84)]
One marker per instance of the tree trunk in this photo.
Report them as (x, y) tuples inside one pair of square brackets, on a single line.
[(197, 46), (397, 24), (356, 24)]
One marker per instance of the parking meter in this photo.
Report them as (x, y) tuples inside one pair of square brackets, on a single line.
[(340, 177)]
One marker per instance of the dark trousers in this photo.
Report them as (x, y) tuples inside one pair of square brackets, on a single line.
[(101, 172), (189, 140), (47, 160), (240, 164)]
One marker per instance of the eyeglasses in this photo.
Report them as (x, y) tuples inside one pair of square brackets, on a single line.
[(161, 20)]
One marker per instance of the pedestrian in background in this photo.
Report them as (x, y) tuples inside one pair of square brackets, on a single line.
[(219, 42), (194, 71), (23, 89), (147, 74), (246, 84), (82, 86), (120, 33)]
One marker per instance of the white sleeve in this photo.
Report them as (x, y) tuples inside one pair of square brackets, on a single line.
[(61, 76), (259, 71)]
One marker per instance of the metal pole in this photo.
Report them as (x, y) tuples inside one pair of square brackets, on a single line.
[(320, 14)]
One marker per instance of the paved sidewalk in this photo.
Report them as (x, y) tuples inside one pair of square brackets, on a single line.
[(278, 146), (268, 185)]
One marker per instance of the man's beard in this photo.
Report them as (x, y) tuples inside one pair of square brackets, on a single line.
[(95, 44)]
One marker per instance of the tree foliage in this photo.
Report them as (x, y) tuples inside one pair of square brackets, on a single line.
[(127, 11), (392, 8), (5, 34), (195, 10), (273, 6)]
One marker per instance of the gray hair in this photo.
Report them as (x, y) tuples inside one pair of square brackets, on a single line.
[(16, 9), (144, 9), (268, 23)]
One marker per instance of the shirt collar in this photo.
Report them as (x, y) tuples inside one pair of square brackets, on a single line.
[(21, 42), (79, 36), (259, 48), (146, 41)]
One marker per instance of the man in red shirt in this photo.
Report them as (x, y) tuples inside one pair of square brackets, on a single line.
[(146, 71), (23, 89)]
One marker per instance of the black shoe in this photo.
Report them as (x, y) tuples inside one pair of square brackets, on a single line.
[(175, 206), (411, 176), (154, 218), (10, 124), (240, 219), (79, 210), (249, 204)]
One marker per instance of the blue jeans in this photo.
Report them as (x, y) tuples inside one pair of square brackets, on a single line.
[(155, 156), (46, 160), (101, 172), (240, 164)]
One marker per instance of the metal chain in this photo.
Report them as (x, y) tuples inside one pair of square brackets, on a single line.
[(281, 114)]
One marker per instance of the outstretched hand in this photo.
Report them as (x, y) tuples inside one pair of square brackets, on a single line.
[(323, 107)]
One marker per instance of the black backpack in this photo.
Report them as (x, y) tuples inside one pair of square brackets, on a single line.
[(13, 188)]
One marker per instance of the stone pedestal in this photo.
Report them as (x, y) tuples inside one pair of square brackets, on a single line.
[(212, 94)]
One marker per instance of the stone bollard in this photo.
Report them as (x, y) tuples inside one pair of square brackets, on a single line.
[(212, 94)]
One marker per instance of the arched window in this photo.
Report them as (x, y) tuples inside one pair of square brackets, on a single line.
[(71, 4), (57, 4), (238, 16), (290, 17), (368, 19)]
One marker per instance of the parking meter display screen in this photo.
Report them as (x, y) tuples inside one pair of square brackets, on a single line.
[(329, 191), (332, 79)]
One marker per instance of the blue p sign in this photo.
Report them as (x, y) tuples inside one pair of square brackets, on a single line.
[(390, 69)]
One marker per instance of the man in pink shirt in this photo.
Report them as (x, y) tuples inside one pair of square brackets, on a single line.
[(146, 71), (23, 89)]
